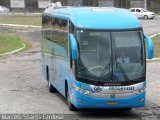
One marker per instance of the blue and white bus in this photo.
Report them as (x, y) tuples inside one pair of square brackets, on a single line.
[(95, 56)]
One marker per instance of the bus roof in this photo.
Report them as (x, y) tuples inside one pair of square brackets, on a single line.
[(98, 17)]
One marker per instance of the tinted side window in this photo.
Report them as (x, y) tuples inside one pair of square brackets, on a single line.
[(60, 36), (71, 28), (46, 31), (137, 10), (132, 10), (46, 26)]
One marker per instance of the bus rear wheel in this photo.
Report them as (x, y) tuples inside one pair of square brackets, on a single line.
[(50, 87), (70, 105)]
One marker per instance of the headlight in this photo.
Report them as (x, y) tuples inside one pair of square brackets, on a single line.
[(84, 91), (138, 91), (151, 14)]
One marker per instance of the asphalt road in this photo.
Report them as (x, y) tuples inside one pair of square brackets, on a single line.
[(152, 26), (24, 90)]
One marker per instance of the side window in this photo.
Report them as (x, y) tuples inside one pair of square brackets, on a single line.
[(53, 21), (45, 21), (71, 28), (60, 23), (63, 38), (137, 10), (132, 10), (46, 25), (59, 36), (46, 31)]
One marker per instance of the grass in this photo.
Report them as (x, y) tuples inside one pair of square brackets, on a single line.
[(22, 20), (10, 42), (156, 41)]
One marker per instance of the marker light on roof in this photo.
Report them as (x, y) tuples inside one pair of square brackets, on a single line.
[(81, 31), (102, 9)]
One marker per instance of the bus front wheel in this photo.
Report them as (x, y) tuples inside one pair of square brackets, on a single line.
[(70, 105)]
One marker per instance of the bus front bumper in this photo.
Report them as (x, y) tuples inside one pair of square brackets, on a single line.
[(85, 101)]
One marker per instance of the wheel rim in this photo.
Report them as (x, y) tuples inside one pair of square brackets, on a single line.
[(145, 17)]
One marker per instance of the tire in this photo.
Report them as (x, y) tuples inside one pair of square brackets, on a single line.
[(70, 105), (145, 17), (50, 87)]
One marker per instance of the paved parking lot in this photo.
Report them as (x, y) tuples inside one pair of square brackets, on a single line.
[(153, 85), (151, 26), (23, 89)]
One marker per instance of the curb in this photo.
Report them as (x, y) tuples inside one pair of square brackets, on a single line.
[(14, 51), (17, 25)]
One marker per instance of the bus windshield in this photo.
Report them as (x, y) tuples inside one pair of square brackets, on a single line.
[(110, 56)]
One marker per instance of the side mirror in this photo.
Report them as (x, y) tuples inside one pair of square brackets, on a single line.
[(74, 47), (150, 47)]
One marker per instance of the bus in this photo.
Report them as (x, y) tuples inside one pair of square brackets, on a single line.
[(95, 57)]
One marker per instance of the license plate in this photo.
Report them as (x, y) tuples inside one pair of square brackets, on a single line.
[(112, 103)]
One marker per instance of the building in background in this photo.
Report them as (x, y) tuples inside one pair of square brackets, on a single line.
[(25, 5), (39, 5)]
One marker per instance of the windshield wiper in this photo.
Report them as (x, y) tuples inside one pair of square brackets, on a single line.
[(104, 70), (123, 71)]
